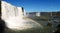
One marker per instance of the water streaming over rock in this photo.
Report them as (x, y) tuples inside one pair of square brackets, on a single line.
[(13, 16)]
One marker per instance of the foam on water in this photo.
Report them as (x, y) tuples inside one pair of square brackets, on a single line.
[(13, 16)]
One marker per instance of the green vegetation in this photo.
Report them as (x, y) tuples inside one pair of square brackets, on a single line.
[(41, 18), (32, 30)]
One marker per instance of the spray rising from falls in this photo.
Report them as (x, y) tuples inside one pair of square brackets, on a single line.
[(13, 16)]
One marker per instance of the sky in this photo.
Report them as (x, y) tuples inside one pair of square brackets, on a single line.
[(37, 5)]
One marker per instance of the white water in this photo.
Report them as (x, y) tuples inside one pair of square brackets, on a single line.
[(13, 16)]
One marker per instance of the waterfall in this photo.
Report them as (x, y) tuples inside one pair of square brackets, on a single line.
[(13, 16), (9, 10)]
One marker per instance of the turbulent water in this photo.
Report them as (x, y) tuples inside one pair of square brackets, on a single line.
[(13, 16)]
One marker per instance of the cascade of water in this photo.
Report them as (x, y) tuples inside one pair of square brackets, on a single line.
[(13, 16)]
